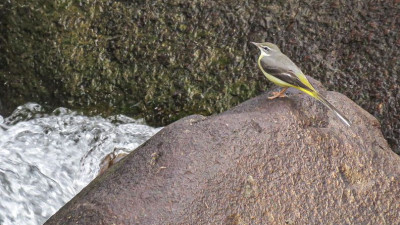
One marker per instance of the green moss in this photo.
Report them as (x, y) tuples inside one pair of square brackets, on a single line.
[(163, 61)]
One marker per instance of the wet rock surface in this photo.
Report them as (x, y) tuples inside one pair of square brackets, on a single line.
[(287, 160), (168, 59)]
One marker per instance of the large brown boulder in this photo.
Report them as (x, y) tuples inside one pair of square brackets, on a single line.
[(279, 161)]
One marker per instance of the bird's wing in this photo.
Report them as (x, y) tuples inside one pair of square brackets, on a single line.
[(287, 76)]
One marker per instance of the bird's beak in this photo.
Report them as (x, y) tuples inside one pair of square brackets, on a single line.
[(256, 44)]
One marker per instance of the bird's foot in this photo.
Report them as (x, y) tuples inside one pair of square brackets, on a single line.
[(276, 95), (280, 94)]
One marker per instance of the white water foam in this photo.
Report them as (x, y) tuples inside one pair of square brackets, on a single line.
[(46, 159)]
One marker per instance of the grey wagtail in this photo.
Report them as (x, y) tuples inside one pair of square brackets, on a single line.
[(279, 69)]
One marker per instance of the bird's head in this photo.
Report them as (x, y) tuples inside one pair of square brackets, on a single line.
[(267, 47)]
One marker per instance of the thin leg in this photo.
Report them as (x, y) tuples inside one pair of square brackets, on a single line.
[(280, 94)]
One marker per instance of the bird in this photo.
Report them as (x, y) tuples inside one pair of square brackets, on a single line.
[(279, 69)]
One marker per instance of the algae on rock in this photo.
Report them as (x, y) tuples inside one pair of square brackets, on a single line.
[(162, 60)]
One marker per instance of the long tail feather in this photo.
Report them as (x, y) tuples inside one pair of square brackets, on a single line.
[(331, 107)]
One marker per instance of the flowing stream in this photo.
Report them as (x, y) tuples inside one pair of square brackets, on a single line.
[(47, 158)]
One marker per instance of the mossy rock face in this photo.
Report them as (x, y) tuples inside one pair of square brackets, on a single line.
[(168, 59), (161, 61)]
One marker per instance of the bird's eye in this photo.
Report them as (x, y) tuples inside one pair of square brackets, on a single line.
[(265, 48)]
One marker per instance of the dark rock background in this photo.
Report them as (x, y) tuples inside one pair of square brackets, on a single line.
[(163, 60)]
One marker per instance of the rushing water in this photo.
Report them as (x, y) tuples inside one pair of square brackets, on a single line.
[(46, 159)]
